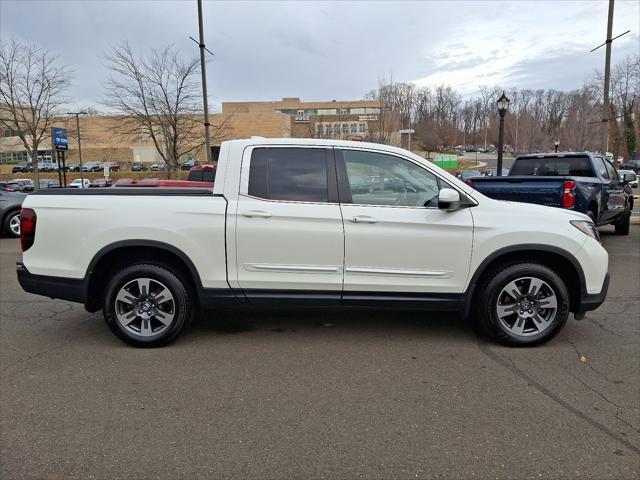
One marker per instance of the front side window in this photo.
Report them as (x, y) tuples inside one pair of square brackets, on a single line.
[(613, 175), (379, 179), (602, 170), (293, 174)]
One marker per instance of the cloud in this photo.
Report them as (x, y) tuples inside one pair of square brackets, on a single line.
[(326, 50)]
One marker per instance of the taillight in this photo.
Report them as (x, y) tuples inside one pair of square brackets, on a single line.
[(568, 198), (27, 228)]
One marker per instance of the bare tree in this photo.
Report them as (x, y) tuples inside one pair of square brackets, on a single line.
[(158, 98), (32, 87)]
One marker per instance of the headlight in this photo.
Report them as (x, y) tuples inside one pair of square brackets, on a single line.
[(587, 228)]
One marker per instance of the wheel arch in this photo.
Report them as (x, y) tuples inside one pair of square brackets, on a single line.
[(114, 256), (555, 258)]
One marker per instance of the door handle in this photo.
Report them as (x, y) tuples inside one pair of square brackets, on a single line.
[(256, 214), (363, 219)]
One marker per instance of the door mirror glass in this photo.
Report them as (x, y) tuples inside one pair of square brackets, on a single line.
[(449, 200), (629, 177)]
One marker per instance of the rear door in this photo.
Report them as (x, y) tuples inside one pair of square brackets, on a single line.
[(289, 234), (612, 200), (396, 238)]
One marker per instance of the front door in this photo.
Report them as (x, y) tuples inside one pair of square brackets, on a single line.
[(289, 234), (396, 238)]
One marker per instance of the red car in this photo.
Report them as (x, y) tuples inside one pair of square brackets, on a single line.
[(203, 173), (113, 166), (154, 182), (100, 182)]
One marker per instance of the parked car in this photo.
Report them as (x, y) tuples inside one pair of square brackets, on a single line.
[(138, 167), (48, 183), (632, 165), (493, 172), (10, 204), (280, 228), (158, 166), (80, 183), (47, 166), (17, 185), (630, 176), (202, 173), (583, 182), (92, 167), (189, 164), (22, 167), (113, 166), (465, 175), (73, 167), (101, 182)]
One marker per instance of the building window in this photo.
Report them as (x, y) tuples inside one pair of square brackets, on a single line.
[(354, 128), (326, 111), (345, 128), (336, 129), (358, 111), (344, 111), (361, 128), (372, 110)]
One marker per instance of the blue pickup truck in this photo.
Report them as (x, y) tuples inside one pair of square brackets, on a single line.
[(585, 182)]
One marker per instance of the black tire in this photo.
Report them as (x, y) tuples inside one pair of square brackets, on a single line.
[(182, 305), (6, 225), (622, 226), (591, 215), (491, 289)]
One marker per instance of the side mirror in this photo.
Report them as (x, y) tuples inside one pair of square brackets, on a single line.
[(628, 177), (448, 200)]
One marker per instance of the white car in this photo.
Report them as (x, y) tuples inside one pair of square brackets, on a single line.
[(283, 225), (80, 183), (630, 174)]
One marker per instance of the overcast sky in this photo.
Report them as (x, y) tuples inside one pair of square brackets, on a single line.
[(323, 50)]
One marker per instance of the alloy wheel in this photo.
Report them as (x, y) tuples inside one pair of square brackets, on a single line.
[(527, 306), (145, 307), (14, 224)]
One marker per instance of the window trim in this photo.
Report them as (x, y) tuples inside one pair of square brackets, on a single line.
[(332, 182), (344, 189)]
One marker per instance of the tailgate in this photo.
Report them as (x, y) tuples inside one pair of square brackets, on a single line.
[(529, 189)]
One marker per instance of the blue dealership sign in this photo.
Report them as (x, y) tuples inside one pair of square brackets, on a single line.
[(59, 136)]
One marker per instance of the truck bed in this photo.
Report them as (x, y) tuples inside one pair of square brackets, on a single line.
[(528, 189)]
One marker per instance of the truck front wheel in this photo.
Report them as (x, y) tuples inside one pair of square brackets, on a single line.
[(622, 226), (524, 304), (147, 305)]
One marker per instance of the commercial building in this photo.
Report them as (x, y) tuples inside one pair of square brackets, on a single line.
[(103, 138)]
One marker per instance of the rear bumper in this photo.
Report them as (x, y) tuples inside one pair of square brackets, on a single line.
[(588, 302), (70, 289)]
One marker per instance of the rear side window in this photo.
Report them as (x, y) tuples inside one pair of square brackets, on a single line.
[(294, 174), (553, 167), (202, 175)]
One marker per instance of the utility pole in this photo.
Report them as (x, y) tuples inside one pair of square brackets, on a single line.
[(607, 74), (203, 71), (77, 115)]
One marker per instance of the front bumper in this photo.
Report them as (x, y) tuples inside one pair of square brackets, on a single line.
[(588, 302), (70, 289)]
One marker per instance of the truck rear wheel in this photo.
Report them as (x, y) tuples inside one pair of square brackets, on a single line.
[(147, 305), (524, 304), (12, 224)]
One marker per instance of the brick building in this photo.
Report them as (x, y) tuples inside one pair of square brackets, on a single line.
[(102, 139)]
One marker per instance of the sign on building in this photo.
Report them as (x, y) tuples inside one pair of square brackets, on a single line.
[(59, 138), (301, 116)]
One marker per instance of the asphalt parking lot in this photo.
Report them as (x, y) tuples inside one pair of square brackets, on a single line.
[(320, 395)]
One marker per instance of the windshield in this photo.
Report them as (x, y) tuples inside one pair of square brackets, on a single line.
[(553, 166)]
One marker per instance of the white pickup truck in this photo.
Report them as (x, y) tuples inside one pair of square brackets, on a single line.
[(312, 223)]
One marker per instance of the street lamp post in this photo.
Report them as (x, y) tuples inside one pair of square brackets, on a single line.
[(77, 114), (556, 144), (503, 106)]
